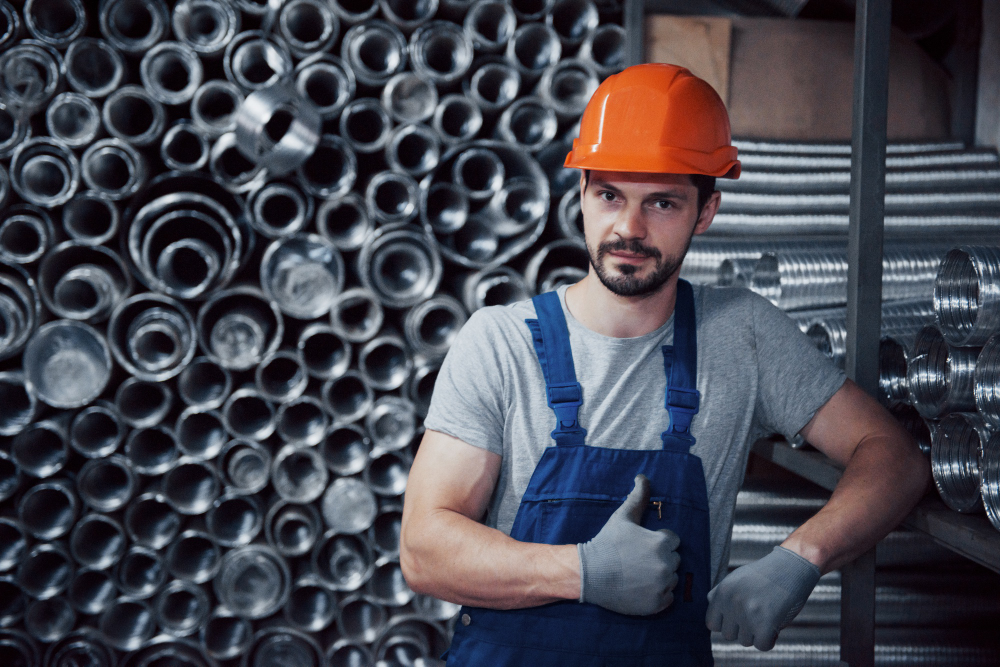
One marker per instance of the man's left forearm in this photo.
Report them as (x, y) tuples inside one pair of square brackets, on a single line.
[(884, 479)]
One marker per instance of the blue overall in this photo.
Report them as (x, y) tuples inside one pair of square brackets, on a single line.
[(573, 492)]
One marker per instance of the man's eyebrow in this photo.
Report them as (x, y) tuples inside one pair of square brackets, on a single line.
[(674, 194), (680, 193)]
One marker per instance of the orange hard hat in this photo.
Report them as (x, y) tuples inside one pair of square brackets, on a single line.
[(655, 118)]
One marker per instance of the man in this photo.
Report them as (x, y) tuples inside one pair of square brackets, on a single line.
[(605, 541)]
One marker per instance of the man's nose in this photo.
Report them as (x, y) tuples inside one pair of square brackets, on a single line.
[(631, 224)]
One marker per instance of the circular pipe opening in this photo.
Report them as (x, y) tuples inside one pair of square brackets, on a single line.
[(246, 466), (190, 487), (235, 520), (151, 450), (204, 383), (151, 522), (93, 67), (194, 557), (92, 591), (97, 541), (106, 484), (298, 474), (302, 421), (200, 434), (292, 529), (282, 377), (40, 450)]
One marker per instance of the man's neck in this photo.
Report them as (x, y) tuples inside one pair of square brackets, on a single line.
[(600, 310)]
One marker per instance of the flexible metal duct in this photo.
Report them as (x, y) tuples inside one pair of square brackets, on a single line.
[(809, 279), (955, 454), (940, 377), (245, 413)]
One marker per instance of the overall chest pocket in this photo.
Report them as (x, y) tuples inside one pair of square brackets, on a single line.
[(574, 520)]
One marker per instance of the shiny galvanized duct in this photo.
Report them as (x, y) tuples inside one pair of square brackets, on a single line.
[(797, 280), (237, 238)]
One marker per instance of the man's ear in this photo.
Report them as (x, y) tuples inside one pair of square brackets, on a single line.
[(707, 213)]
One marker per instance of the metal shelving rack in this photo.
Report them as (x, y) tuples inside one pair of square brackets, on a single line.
[(970, 536)]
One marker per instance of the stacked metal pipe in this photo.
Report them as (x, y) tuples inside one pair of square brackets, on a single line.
[(237, 237), (933, 607)]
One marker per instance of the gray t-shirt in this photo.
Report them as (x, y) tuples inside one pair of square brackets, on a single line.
[(757, 373)]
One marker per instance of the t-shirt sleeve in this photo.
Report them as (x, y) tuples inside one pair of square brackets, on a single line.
[(468, 398), (794, 378)]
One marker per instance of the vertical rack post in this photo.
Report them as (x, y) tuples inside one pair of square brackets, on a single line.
[(864, 283), (634, 20)]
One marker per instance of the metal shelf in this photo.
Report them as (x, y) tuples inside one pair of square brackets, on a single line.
[(971, 536)]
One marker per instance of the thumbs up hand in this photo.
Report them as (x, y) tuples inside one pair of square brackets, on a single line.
[(627, 568)]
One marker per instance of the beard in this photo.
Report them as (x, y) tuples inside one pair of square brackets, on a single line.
[(627, 283)]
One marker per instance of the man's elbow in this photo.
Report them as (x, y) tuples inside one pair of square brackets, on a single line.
[(410, 562)]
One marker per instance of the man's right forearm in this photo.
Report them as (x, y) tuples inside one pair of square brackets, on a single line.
[(449, 556)]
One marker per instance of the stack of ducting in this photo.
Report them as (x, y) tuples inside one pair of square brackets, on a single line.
[(933, 608), (236, 239), (781, 232)]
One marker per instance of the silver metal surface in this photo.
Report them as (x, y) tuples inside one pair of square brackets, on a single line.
[(134, 26), (391, 425), (200, 433), (323, 353), (490, 24), (349, 506), (253, 582), (207, 26), (940, 377), (93, 67), (245, 466), (91, 217), (292, 528), (67, 364), (967, 295), (348, 397), (327, 82), (400, 266), (955, 453), (44, 172), (73, 119), (133, 115), (106, 485), (989, 472), (456, 119), (194, 556), (20, 405), (440, 51), (299, 474), (374, 50), (184, 147), (276, 128), (345, 562), (530, 122)]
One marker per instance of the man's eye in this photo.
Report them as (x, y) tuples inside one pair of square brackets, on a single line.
[(662, 204), (608, 196)]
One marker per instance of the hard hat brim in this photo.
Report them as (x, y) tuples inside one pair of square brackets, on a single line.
[(721, 163)]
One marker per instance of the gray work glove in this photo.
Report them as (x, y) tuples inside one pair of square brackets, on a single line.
[(627, 568), (757, 600)]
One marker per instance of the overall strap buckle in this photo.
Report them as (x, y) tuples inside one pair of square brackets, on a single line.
[(565, 399), (683, 405), (550, 336)]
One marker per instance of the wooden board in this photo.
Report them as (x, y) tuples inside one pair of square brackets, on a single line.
[(792, 80), (700, 43)]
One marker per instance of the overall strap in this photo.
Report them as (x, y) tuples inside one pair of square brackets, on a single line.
[(550, 336), (680, 361)]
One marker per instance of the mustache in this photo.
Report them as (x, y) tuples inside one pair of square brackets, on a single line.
[(633, 246)]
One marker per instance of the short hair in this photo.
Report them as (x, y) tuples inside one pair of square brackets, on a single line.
[(704, 184)]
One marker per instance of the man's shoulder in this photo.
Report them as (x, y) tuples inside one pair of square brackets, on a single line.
[(500, 320), (726, 301)]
